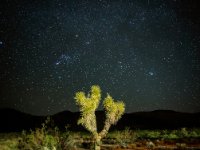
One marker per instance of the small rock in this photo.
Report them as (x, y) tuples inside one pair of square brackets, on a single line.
[(150, 145)]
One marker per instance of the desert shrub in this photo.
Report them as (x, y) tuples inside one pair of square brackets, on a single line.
[(183, 133), (141, 134), (157, 134), (197, 130), (38, 141), (68, 143), (9, 141), (189, 133), (124, 137), (72, 140), (148, 134), (165, 134), (41, 138), (170, 136), (8, 144), (193, 134), (153, 134)]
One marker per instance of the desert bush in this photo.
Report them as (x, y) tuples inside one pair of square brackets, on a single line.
[(153, 134), (167, 134), (189, 133), (9, 144), (41, 138), (170, 136), (9, 141), (124, 137), (183, 133), (148, 134), (47, 138), (68, 143), (194, 134)]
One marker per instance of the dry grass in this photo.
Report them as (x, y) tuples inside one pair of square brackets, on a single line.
[(9, 141)]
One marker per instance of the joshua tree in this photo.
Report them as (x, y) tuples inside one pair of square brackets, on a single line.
[(88, 104)]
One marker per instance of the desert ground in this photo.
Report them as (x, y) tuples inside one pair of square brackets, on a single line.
[(51, 139)]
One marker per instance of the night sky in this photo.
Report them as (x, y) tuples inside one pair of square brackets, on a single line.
[(144, 52)]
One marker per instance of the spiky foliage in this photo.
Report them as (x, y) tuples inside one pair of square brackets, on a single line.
[(88, 105), (114, 111)]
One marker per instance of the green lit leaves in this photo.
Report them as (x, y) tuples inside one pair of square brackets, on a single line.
[(80, 98), (88, 105), (114, 110)]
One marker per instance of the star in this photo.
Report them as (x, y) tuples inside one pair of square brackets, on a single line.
[(151, 73)]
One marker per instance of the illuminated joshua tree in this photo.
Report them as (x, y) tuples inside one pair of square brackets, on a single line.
[(88, 104)]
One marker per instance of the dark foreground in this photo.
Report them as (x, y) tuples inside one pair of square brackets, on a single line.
[(116, 140)]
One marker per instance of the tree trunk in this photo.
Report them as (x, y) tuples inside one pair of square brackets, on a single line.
[(103, 133), (97, 147), (97, 142)]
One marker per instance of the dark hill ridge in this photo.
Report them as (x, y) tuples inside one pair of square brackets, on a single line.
[(160, 119), (13, 120)]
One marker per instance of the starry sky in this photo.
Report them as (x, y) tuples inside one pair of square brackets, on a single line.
[(144, 52)]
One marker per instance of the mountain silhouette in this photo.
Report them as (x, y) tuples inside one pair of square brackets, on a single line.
[(16, 121)]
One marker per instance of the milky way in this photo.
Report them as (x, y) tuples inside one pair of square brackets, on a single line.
[(144, 52)]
